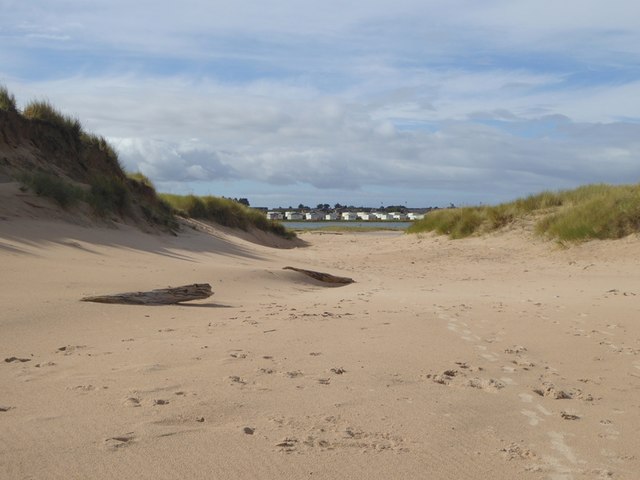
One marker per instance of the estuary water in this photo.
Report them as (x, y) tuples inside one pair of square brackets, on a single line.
[(351, 224)]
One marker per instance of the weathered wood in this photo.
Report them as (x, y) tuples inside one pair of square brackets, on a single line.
[(323, 277), (161, 296)]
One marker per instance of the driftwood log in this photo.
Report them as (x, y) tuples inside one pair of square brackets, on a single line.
[(161, 296), (323, 277)]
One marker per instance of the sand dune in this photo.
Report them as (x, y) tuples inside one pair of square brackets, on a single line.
[(498, 357)]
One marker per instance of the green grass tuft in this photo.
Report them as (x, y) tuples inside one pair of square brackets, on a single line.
[(109, 195), (141, 178), (61, 191), (44, 111), (100, 143), (106, 195), (7, 100)]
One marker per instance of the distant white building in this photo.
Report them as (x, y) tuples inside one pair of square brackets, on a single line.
[(367, 217), (385, 216), (331, 216), (415, 216), (314, 216), (399, 216), (349, 216), (274, 216), (295, 216)]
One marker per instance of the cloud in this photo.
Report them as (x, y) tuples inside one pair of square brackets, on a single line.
[(468, 100)]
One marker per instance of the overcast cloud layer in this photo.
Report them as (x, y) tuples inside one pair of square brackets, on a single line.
[(396, 102)]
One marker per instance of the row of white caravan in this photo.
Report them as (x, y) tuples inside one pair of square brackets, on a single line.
[(345, 216)]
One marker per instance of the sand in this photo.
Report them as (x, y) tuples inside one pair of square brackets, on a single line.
[(498, 357)]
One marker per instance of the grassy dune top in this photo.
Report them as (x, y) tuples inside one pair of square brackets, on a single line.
[(108, 190), (589, 212), (225, 212)]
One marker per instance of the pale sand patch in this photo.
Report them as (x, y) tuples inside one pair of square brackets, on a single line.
[(276, 376)]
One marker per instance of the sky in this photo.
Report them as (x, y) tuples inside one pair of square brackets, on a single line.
[(377, 102)]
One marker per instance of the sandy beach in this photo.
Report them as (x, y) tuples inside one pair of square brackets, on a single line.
[(497, 357)]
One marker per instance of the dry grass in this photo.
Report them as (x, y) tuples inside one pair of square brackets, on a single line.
[(592, 211)]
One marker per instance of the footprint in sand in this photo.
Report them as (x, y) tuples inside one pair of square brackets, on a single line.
[(132, 402), (610, 433), (515, 451), (486, 384), (70, 349), (525, 397), (84, 388), (533, 417), (115, 443), (45, 364), (239, 354), (515, 349), (569, 416), (332, 433), (492, 357), (16, 359)]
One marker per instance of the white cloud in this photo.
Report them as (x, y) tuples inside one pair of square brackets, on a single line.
[(489, 99)]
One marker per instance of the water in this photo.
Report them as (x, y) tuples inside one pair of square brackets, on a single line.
[(352, 224)]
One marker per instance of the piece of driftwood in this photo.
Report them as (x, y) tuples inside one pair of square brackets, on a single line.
[(161, 296), (323, 277)]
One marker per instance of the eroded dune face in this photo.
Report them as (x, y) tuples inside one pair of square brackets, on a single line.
[(495, 357)]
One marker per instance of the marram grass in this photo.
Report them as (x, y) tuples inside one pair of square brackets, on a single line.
[(44, 111), (225, 212), (7, 100), (590, 212)]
